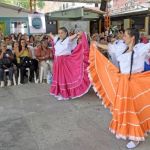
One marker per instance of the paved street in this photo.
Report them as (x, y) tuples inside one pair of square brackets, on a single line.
[(30, 119)]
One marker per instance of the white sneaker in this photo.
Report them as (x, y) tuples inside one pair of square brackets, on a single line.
[(9, 83), (60, 98), (20, 84), (2, 84), (37, 81), (132, 144)]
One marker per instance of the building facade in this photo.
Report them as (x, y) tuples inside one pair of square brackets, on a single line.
[(119, 4), (13, 19), (131, 13), (55, 6)]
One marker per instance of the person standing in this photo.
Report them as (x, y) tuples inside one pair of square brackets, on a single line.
[(124, 90), (70, 76), (6, 62)]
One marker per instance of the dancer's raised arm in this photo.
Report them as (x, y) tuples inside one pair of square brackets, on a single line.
[(76, 35), (51, 36), (102, 46), (72, 37)]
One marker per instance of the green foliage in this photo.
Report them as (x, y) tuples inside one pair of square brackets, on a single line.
[(24, 3)]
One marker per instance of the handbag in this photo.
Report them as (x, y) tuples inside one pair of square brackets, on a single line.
[(26, 62)]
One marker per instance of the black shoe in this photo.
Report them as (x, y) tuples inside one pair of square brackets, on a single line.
[(22, 82), (30, 79), (44, 81)]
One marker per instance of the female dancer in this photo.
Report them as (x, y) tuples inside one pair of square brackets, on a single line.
[(126, 94), (70, 76)]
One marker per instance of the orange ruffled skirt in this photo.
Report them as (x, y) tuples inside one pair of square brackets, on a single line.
[(128, 100)]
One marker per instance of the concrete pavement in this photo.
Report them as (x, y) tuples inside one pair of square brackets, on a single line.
[(30, 119)]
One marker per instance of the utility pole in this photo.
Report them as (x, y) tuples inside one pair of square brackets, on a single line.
[(32, 6), (107, 17)]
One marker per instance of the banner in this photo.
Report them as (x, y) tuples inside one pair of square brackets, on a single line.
[(37, 23)]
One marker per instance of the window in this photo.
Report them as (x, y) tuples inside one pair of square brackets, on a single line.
[(18, 26), (63, 6), (67, 5), (138, 22)]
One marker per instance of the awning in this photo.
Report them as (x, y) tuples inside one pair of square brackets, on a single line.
[(17, 8)]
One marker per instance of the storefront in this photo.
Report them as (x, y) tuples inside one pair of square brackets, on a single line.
[(131, 13), (13, 19), (140, 21), (88, 19)]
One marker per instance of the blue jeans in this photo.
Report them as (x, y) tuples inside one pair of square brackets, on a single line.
[(10, 73), (146, 67)]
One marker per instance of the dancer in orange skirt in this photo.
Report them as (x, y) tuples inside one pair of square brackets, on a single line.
[(126, 94)]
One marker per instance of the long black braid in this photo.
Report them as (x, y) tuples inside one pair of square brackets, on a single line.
[(122, 53), (133, 32), (131, 64)]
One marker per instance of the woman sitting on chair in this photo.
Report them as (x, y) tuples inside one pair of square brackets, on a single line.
[(6, 62), (25, 56)]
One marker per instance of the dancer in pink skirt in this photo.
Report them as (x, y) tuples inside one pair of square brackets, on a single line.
[(70, 76)]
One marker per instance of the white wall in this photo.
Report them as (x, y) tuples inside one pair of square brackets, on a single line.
[(5, 12), (55, 6)]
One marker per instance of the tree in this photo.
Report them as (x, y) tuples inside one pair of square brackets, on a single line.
[(24, 3)]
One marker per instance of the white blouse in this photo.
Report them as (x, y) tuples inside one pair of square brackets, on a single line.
[(64, 47), (31, 48), (115, 50), (141, 51)]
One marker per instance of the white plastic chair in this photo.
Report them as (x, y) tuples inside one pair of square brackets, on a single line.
[(14, 79), (41, 73), (28, 70)]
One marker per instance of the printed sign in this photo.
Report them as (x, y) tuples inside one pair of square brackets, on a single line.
[(37, 23)]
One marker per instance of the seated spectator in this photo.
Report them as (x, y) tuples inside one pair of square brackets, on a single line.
[(102, 40), (95, 37), (6, 62), (8, 42), (25, 56), (143, 39), (13, 37), (19, 36), (31, 47), (15, 51), (32, 41), (16, 61), (1, 35), (44, 54), (26, 37)]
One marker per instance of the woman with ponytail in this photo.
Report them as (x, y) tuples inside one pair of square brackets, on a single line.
[(70, 76), (124, 90)]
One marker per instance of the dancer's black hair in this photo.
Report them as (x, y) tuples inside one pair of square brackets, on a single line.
[(133, 32), (66, 31)]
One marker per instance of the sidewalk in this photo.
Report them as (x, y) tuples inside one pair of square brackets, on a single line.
[(30, 119)]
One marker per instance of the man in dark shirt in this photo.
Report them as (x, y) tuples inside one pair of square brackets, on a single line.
[(6, 63)]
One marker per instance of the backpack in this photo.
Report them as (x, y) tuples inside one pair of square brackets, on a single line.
[(6, 62)]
